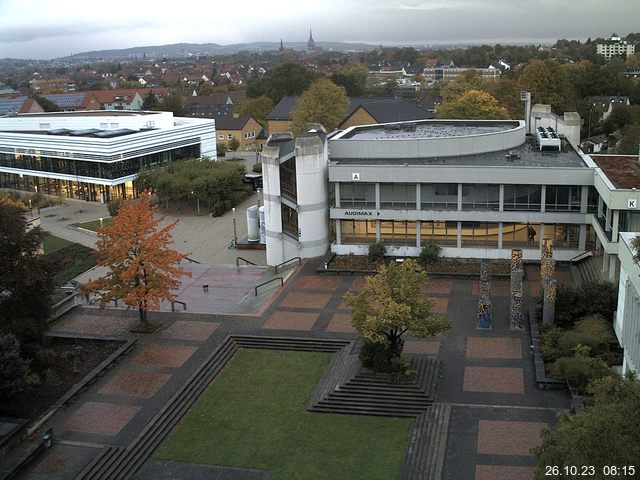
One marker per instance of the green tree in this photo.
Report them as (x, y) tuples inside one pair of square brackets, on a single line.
[(150, 102), (603, 434), (353, 79), (233, 144), (617, 119), (324, 102), (630, 141), (26, 283), (287, 79), (258, 108), (391, 304), (171, 103), (549, 84), (474, 104), (46, 104), (13, 368)]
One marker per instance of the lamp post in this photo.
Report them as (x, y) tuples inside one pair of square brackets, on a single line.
[(30, 208), (100, 222), (36, 187), (62, 206), (235, 232)]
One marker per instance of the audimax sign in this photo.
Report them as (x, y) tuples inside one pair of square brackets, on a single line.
[(361, 213)]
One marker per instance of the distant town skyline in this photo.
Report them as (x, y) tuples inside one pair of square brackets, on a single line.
[(41, 29)]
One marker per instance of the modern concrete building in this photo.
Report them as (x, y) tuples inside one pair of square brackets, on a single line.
[(95, 155), (476, 188), (627, 316)]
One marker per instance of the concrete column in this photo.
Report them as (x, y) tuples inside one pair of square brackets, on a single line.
[(582, 238), (613, 259), (270, 157), (543, 197), (418, 197), (614, 225), (605, 262), (607, 223), (336, 189), (459, 235), (377, 230), (459, 197), (338, 232), (378, 197), (499, 235), (418, 239), (584, 197), (501, 197), (600, 203)]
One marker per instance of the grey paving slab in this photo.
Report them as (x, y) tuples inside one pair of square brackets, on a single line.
[(167, 470)]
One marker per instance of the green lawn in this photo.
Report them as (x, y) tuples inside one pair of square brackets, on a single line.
[(70, 259), (253, 416), (94, 225)]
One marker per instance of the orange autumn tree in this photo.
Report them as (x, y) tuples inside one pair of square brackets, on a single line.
[(143, 269)]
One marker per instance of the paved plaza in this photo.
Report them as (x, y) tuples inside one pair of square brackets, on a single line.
[(487, 377)]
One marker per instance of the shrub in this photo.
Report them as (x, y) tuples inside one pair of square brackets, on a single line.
[(218, 209), (574, 303), (597, 327), (580, 369), (430, 253), (221, 148), (550, 343), (401, 370), (377, 251), (257, 168), (13, 368), (571, 339), (114, 206)]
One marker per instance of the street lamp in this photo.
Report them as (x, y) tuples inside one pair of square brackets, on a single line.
[(30, 208), (100, 222), (235, 233)]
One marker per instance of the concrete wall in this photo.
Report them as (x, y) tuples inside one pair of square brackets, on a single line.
[(569, 125), (272, 209), (627, 316)]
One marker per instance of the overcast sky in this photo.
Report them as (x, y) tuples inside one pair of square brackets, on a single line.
[(46, 29)]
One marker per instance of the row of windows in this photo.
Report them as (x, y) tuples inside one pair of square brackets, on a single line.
[(247, 136), (444, 196), (108, 171), (472, 234)]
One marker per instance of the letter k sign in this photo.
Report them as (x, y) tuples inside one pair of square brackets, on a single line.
[(632, 203)]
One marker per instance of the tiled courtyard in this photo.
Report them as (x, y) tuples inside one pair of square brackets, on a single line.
[(487, 376)]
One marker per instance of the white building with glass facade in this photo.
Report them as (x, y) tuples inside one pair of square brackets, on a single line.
[(627, 316), (476, 188), (95, 155)]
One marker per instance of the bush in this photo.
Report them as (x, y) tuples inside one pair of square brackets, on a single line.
[(114, 206), (580, 370), (571, 339), (574, 303), (221, 148), (218, 209), (380, 358), (430, 253), (257, 168), (377, 251), (597, 327), (13, 368), (550, 343)]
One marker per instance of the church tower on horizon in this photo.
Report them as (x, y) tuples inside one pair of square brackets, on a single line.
[(311, 45)]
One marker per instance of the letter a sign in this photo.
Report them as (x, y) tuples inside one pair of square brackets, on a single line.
[(355, 177)]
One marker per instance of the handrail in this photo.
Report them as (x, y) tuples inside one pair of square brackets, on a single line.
[(191, 260), (243, 259), (255, 289), (287, 261), (581, 256), (173, 305)]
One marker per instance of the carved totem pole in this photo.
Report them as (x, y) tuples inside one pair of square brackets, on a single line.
[(516, 315), (484, 302)]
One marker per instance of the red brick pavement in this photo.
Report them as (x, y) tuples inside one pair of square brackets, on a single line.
[(190, 330), (357, 283), (340, 322), (54, 464), (499, 472), (508, 438), (164, 355), (305, 300), (132, 383), (485, 347), (89, 324), (493, 379), (438, 286), (101, 418), (422, 347), (291, 321), (441, 306), (318, 282)]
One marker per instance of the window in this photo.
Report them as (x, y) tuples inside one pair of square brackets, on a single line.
[(518, 235), (442, 233), (221, 137), (480, 197), (357, 231), (289, 220), (442, 196), (592, 200), (398, 232), (357, 195), (288, 184), (480, 234), (522, 197), (564, 236), (561, 198), (229, 136), (398, 195)]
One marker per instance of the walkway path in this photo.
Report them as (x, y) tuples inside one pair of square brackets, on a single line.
[(487, 377)]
